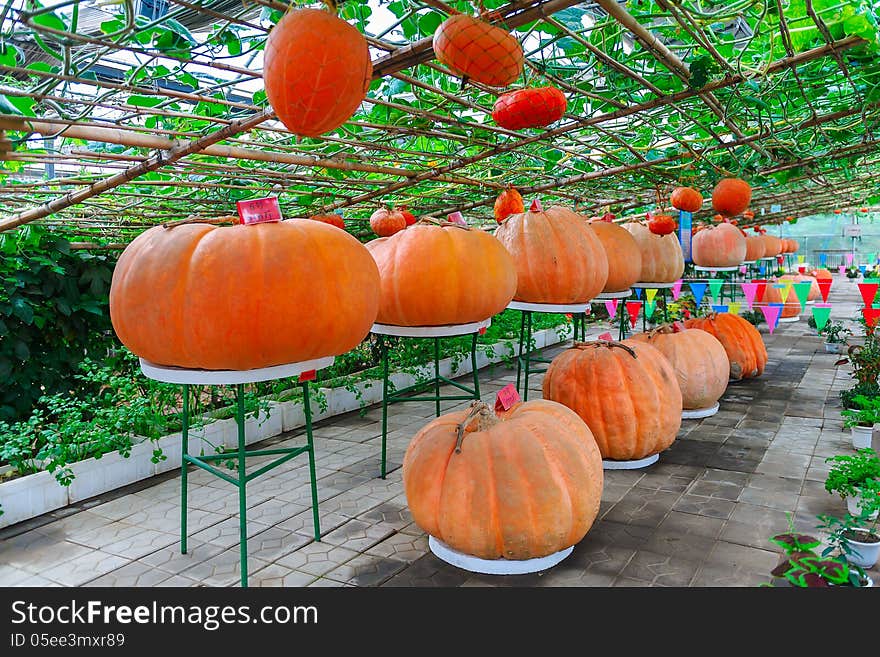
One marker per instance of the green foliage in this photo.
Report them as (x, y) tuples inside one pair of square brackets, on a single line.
[(834, 332), (864, 412), (850, 473), (802, 567)]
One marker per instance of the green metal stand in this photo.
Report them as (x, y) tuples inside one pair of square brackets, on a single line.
[(406, 394)]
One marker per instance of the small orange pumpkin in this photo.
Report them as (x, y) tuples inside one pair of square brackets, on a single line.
[(731, 196), (686, 198), (509, 202), (329, 218), (386, 222)]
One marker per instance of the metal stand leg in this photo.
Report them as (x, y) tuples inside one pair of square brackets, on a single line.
[(665, 306), (437, 376), (242, 485), (522, 332), (307, 409), (184, 465), (383, 348), (527, 359), (474, 368)]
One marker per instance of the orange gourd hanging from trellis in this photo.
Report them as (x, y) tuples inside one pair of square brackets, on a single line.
[(479, 50)]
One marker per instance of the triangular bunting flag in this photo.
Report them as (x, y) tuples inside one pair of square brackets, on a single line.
[(824, 287), (821, 313), (650, 306), (823, 259), (733, 307), (715, 287), (698, 290), (743, 269), (841, 269), (869, 291), (802, 290), (762, 285), (783, 291), (611, 307), (862, 268), (650, 294), (749, 290), (676, 289), (871, 316), (762, 269), (801, 258), (633, 308), (606, 336), (849, 258), (771, 314), (780, 259), (719, 308), (638, 293)]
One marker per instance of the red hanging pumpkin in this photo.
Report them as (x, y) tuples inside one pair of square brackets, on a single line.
[(529, 108), (330, 218), (316, 71), (508, 202), (475, 49), (661, 224), (686, 199), (387, 222), (408, 216), (731, 196)]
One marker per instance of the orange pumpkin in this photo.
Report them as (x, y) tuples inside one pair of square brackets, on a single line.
[(686, 198), (408, 216), (243, 297), (772, 294), (742, 342), (518, 487), (661, 224), (772, 245), (699, 361), (626, 392), (509, 202), (815, 293), (316, 71), (529, 108), (623, 254), (330, 218), (754, 248), (387, 222), (731, 196), (719, 246), (558, 257), (475, 49), (820, 273), (794, 246), (439, 273), (662, 259)]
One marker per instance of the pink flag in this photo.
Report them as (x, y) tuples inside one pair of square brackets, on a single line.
[(771, 314), (676, 290), (841, 269), (743, 269), (849, 258), (611, 306), (749, 289)]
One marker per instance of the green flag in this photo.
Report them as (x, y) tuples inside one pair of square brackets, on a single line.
[(650, 306), (715, 287), (821, 314), (802, 290)]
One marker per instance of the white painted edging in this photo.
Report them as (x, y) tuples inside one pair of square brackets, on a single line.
[(33, 495)]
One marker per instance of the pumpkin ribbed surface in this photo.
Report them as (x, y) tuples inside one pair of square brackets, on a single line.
[(623, 254), (742, 342), (521, 487), (478, 50), (754, 248), (772, 245), (719, 246), (529, 108), (686, 198), (662, 258)]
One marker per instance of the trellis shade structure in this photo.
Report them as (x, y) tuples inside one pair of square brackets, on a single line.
[(115, 117)]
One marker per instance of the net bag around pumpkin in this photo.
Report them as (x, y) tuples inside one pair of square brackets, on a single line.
[(475, 49)]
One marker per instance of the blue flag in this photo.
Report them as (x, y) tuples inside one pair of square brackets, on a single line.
[(823, 259), (718, 308), (698, 290)]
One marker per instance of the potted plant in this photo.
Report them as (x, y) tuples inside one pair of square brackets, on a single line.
[(855, 537), (852, 273), (865, 362), (861, 419), (835, 337), (854, 477), (802, 567)]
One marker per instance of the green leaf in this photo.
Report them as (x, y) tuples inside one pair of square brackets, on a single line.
[(8, 55), (21, 351), (702, 69), (144, 101), (113, 25), (51, 20), (428, 23), (20, 105)]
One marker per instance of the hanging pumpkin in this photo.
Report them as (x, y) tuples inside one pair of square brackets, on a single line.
[(438, 273), (522, 486), (661, 224), (742, 342), (719, 246), (558, 257), (408, 216), (478, 50), (626, 392), (509, 202), (316, 71), (772, 294), (772, 245), (837, 211), (623, 254), (748, 214), (699, 361), (329, 218), (754, 248), (529, 108), (243, 297), (386, 222), (731, 196), (687, 199), (662, 259)]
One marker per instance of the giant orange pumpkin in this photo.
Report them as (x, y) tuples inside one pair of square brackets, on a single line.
[(626, 392), (772, 245), (772, 294), (742, 342), (509, 202), (316, 71), (754, 248), (558, 257), (719, 246), (662, 259), (519, 487), (624, 256), (794, 246), (439, 273), (243, 297), (529, 108), (686, 198), (475, 49), (699, 361), (731, 196), (815, 293)]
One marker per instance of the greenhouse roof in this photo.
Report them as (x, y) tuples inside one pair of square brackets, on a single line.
[(120, 114)]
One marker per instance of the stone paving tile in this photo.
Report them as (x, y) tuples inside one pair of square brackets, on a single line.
[(134, 573), (166, 518), (172, 561), (366, 570), (715, 489), (713, 507), (35, 553), (686, 525), (227, 533), (83, 568), (275, 542), (224, 569), (140, 543), (429, 571), (643, 507), (660, 569), (317, 558), (358, 535), (401, 547), (276, 575)]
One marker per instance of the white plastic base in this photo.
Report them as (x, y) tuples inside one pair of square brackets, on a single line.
[(789, 320), (607, 296), (494, 566), (698, 413), (550, 307), (430, 331), (169, 374), (701, 268), (654, 286), (608, 464)]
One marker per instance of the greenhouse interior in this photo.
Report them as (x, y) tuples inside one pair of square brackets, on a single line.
[(417, 293)]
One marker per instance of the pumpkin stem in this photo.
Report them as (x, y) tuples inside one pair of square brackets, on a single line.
[(479, 411), (605, 343)]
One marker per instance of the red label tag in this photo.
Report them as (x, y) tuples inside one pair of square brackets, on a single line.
[(506, 398), (456, 218), (606, 336), (568, 316), (311, 375), (483, 331), (259, 210)]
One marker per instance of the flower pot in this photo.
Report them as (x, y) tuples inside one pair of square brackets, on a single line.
[(861, 436), (853, 505), (834, 348), (863, 554)]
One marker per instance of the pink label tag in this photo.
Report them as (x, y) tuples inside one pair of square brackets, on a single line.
[(506, 398), (456, 218), (311, 375), (259, 210), (606, 336)]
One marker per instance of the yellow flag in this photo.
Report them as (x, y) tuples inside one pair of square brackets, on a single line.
[(733, 307), (801, 258), (784, 292), (650, 294)]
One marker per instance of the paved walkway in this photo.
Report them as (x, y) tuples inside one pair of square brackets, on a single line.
[(702, 516)]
